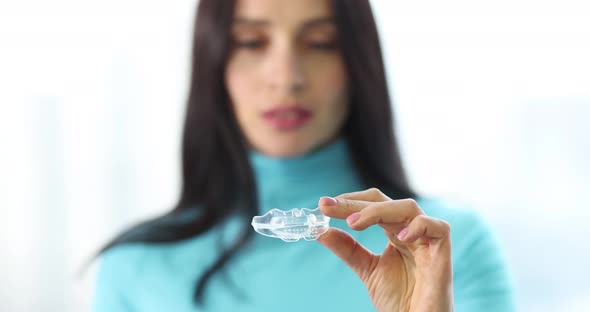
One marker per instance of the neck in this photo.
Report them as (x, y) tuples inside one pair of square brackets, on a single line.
[(327, 170)]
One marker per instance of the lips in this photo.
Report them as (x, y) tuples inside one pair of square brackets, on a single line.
[(287, 118)]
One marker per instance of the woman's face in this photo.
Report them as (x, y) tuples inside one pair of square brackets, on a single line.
[(285, 75)]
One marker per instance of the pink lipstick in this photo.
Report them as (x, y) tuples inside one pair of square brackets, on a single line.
[(287, 118)]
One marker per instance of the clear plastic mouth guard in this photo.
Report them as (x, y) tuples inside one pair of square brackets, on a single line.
[(292, 225)]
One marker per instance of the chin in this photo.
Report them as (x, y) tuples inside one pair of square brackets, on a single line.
[(285, 148)]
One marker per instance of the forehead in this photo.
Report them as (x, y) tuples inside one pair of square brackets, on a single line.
[(286, 13)]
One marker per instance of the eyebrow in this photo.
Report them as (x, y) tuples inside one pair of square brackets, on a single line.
[(314, 22), (328, 20)]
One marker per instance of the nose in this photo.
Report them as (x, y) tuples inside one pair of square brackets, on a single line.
[(286, 74)]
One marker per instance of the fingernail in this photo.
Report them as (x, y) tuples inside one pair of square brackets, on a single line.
[(353, 217), (402, 233), (328, 201)]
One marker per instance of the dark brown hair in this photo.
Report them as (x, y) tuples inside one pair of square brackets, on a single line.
[(217, 179)]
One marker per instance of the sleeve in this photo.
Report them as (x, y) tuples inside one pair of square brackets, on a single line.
[(481, 278), (113, 275)]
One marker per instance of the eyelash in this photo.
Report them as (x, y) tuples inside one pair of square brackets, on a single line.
[(257, 44), (322, 45), (250, 44)]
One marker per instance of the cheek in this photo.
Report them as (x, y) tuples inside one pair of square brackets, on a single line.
[(332, 86), (235, 82), (241, 88)]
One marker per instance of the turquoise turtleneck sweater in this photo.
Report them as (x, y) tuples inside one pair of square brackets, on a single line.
[(272, 275)]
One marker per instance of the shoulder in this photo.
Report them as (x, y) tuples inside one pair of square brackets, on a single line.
[(130, 274), (118, 268), (123, 256), (122, 263), (127, 261)]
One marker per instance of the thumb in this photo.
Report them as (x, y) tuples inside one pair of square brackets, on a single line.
[(350, 251)]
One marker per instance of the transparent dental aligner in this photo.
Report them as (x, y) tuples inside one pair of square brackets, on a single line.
[(292, 225)]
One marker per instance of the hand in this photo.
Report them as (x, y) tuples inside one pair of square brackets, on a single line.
[(414, 272)]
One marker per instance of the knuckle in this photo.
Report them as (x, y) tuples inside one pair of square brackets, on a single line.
[(376, 194), (374, 191), (411, 203), (420, 221), (446, 227), (345, 203)]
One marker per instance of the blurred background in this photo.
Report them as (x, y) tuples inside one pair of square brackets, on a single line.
[(492, 105)]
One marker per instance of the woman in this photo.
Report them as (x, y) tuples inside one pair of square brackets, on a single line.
[(289, 106)]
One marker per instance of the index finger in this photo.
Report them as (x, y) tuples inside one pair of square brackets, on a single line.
[(341, 208), (372, 194), (343, 205), (389, 215)]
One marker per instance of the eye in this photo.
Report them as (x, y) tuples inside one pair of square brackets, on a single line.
[(322, 44), (321, 40), (252, 44)]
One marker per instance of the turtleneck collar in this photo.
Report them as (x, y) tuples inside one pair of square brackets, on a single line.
[(327, 159), (284, 182)]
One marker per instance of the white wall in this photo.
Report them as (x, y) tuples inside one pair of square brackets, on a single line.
[(491, 99), (493, 102)]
